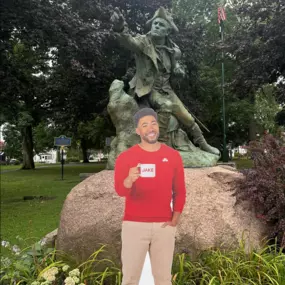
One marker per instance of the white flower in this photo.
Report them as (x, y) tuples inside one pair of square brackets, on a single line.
[(49, 275), (65, 268), (74, 272), (81, 284), (5, 243), (53, 270), (16, 249), (51, 278), (5, 261), (69, 281), (76, 279)]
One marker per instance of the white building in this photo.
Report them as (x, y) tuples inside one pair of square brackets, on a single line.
[(242, 150), (1, 131), (46, 157)]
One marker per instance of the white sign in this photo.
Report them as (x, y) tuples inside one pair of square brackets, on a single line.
[(147, 170)]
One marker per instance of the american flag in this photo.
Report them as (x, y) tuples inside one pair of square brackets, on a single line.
[(221, 14)]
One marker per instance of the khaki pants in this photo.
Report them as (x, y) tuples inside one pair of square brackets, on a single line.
[(138, 239)]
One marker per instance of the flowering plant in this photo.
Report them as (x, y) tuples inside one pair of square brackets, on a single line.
[(39, 265)]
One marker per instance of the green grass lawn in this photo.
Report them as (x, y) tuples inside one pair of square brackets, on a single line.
[(243, 163), (35, 218), (9, 167), (16, 167)]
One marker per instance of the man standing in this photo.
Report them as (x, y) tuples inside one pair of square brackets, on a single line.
[(157, 58), (150, 175)]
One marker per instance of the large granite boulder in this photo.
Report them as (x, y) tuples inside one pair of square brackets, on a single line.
[(92, 213)]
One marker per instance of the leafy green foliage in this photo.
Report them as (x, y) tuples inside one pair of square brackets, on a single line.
[(96, 130), (40, 264), (37, 264), (13, 144), (58, 60), (44, 137), (221, 267), (257, 44), (73, 155), (266, 107)]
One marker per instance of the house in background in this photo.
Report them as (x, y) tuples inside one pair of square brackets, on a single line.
[(2, 145), (240, 150), (46, 157)]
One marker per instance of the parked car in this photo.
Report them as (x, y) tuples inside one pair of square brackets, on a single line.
[(14, 161)]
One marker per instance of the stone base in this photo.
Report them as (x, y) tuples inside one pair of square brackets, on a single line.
[(92, 215), (198, 158)]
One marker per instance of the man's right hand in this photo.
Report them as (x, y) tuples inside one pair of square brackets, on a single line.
[(134, 174), (117, 19)]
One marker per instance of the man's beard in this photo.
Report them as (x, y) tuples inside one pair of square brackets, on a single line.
[(149, 140)]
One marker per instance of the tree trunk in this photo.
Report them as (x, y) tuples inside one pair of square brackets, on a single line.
[(252, 129), (84, 151), (28, 148)]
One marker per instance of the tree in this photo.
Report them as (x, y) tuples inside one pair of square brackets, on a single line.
[(266, 108), (258, 43), (94, 132), (23, 55), (44, 134), (81, 86), (201, 46), (36, 32), (13, 145), (257, 48), (22, 95)]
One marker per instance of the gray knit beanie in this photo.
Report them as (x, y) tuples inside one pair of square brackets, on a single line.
[(142, 113)]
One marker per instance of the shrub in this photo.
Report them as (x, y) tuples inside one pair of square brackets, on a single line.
[(221, 267), (264, 185), (72, 159), (38, 265)]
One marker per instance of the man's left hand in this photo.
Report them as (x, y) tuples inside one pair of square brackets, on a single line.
[(170, 224)]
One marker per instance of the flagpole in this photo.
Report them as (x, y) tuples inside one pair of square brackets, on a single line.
[(225, 153)]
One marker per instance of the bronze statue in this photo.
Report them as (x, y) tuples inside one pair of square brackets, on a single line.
[(156, 61)]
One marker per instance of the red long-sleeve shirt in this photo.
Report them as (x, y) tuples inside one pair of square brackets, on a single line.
[(149, 198)]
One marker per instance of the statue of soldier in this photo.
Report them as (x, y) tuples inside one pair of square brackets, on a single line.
[(156, 57)]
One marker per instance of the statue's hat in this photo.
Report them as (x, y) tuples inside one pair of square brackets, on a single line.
[(164, 14)]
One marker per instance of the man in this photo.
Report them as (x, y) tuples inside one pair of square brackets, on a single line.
[(149, 175), (156, 58)]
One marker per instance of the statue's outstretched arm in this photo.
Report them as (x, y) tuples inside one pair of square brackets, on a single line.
[(120, 28)]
